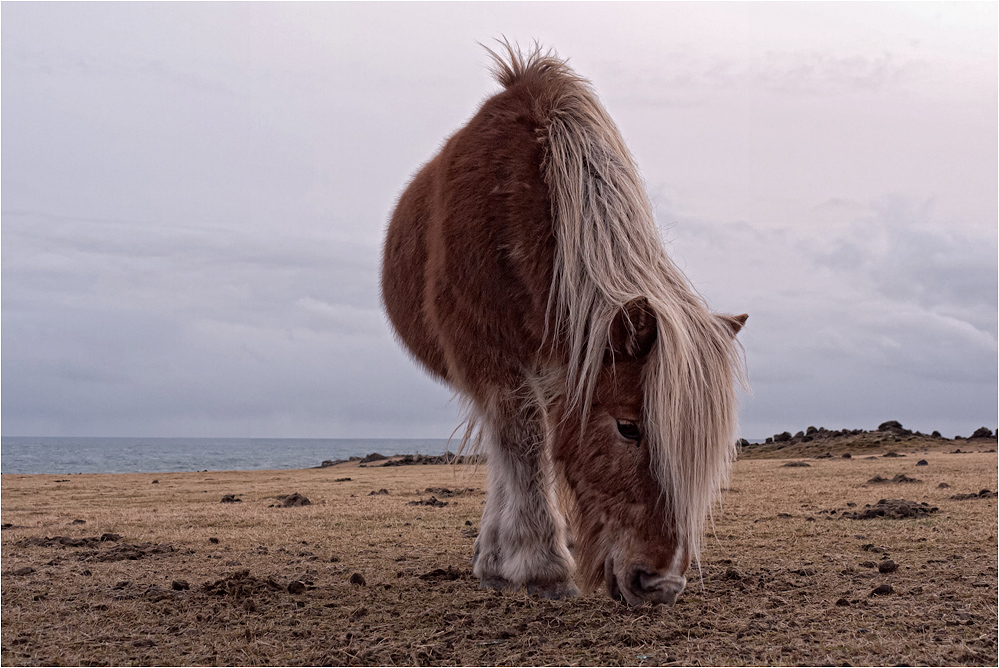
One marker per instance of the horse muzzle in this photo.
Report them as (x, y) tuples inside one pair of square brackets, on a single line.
[(640, 585)]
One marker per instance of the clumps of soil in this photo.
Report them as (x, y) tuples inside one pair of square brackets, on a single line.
[(230, 498), (67, 541), (447, 493), (892, 453), (943, 485), (242, 585), (796, 464), (887, 566), (290, 501), (342, 480), (882, 590), (381, 492), (444, 575), (123, 552), (130, 552), (432, 501), (892, 509), (983, 494), (900, 478)]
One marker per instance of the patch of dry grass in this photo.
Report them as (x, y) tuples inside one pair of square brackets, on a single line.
[(785, 579)]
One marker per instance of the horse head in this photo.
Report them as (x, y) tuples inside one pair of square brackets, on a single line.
[(625, 528)]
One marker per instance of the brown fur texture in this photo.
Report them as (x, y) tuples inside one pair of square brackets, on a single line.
[(523, 268)]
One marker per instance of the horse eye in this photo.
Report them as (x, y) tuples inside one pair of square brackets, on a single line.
[(629, 430)]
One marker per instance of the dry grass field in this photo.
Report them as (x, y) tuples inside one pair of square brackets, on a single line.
[(361, 577)]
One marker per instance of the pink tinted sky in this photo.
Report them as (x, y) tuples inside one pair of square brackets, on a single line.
[(194, 197)]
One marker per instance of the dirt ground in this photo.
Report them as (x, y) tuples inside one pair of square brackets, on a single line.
[(156, 569)]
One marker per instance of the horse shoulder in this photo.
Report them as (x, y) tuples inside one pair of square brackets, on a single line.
[(492, 241)]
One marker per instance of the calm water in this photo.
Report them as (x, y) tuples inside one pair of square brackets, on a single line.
[(158, 455)]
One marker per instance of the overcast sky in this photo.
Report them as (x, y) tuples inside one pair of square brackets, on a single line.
[(194, 198)]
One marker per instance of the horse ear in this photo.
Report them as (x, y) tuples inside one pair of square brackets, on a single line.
[(734, 322), (633, 330)]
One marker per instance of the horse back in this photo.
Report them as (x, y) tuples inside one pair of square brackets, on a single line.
[(469, 255)]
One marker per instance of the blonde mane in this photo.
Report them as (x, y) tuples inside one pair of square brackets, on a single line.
[(609, 253)]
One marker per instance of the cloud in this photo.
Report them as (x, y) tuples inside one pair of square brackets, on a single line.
[(69, 64), (201, 332), (692, 79), (194, 197), (906, 257), (884, 310)]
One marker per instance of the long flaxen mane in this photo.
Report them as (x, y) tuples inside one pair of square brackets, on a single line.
[(609, 253)]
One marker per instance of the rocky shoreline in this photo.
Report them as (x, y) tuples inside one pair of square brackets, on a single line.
[(812, 441), (819, 441), (379, 460)]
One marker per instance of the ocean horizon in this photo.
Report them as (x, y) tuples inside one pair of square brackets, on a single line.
[(69, 455), (66, 455)]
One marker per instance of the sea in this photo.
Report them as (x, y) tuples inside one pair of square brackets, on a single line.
[(25, 454)]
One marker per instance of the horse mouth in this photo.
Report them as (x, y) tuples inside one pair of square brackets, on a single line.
[(642, 586)]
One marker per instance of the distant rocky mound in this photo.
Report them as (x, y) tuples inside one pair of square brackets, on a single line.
[(376, 459), (819, 441), (447, 458)]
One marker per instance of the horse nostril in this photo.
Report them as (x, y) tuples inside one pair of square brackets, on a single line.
[(643, 581)]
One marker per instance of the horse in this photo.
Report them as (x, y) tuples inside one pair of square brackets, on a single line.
[(522, 267)]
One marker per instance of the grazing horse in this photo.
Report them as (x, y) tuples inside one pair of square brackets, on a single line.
[(523, 268)]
